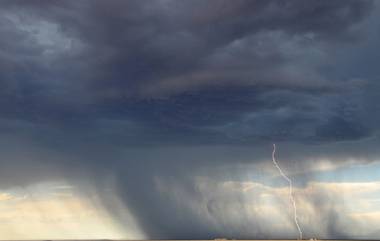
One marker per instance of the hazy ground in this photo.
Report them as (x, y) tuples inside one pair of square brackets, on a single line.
[(193, 240)]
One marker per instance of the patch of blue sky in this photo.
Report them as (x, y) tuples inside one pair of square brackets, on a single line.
[(353, 173)]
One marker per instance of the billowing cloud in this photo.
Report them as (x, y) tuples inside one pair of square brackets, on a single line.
[(154, 64)]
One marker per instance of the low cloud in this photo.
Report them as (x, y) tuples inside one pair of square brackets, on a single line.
[(250, 208)]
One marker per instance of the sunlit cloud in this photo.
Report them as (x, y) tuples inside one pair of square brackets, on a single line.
[(5, 196), (55, 211)]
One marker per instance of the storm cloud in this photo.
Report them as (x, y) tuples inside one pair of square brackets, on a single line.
[(157, 94)]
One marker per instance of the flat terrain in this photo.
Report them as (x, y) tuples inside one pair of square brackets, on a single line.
[(197, 240)]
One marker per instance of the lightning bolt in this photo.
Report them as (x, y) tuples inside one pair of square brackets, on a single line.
[(290, 191)]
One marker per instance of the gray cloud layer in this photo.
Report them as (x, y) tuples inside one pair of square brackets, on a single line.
[(129, 86), (205, 69)]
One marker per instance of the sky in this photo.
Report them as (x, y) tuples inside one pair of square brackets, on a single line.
[(156, 119)]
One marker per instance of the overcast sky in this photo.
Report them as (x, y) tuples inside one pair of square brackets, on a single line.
[(155, 119)]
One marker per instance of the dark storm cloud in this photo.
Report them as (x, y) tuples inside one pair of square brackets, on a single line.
[(173, 89), (169, 64)]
